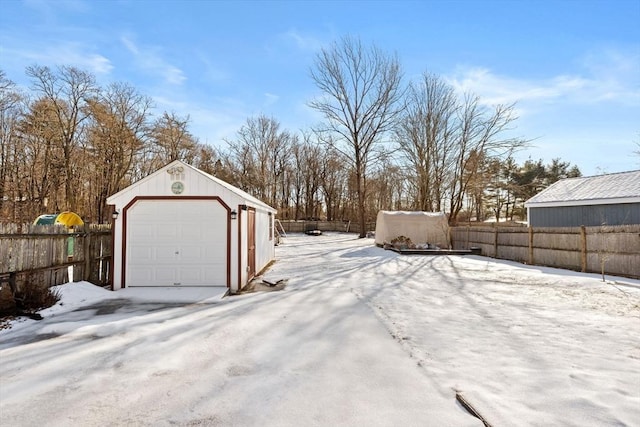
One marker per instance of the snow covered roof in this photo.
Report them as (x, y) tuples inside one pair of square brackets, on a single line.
[(623, 187)]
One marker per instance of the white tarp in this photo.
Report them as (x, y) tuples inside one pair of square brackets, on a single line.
[(420, 227)]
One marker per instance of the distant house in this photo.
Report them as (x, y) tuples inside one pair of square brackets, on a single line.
[(611, 199), (180, 226)]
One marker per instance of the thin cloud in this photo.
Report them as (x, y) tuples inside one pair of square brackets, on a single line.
[(215, 125), (212, 123), (130, 45), (617, 73), (168, 104), (99, 64), (149, 59), (270, 99), (497, 89), (210, 69), (608, 63), (612, 77), (50, 9), (173, 75), (303, 42), (72, 54)]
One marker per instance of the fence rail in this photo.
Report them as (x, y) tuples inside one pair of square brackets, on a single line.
[(614, 250), (292, 226), (48, 255)]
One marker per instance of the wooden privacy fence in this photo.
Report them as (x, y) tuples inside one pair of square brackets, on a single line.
[(292, 226), (42, 255), (613, 250), (47, 255)]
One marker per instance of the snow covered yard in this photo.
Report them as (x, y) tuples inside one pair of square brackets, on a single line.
[(359, 336), (526, 345)]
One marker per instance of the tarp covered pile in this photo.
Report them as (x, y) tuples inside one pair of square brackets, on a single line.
[(420, 227)]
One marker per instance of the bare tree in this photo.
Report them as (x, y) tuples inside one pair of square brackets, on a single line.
[(116, 135), (66, 93), (448, 142), (284, 173), (480, 136), (11, 102), (387, 188), (40, 159), (171, 139), (496, 188), (207, 159), (259, 157), (68, 143), (307, 164), (361, 93), (425, 135), (333, 179)]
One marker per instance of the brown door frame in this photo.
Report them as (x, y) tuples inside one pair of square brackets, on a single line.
[(251, 241)]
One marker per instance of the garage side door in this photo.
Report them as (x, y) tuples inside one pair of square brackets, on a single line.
[(176, 243)]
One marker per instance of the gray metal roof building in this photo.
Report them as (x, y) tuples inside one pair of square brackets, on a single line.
[(611, 199)]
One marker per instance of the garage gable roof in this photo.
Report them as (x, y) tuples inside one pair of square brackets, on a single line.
[(623, 187), (249, 199), (236, 190)]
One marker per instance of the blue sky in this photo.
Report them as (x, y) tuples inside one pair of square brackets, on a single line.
[(573, 67)]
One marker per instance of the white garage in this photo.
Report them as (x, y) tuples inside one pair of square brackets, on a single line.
[(183, 227)]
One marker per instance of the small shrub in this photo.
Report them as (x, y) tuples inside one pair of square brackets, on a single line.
[(7, 302), (33, 298)]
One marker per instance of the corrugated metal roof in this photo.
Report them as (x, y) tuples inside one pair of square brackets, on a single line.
[(623, 185)]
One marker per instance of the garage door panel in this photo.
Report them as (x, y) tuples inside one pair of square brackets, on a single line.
[(195, 234), (212, 250), (165, 254), (213, 275), (140, 276), (193, 253), (177, 242), (191, 276), (165, 276), (194, 275), (144, 230), (142, 254), (166, 231), (204, 233), (191, 233), (153, 276)]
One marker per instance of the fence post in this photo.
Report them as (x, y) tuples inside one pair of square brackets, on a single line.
[(86, 274), (583, 249), (468, 246), (531, 260), (71, 249), (495, 242)]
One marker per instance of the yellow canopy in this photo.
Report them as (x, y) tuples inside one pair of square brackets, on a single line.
[(68, 219)]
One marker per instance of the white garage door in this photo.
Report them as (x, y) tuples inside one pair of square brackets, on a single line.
[(176, 243)]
